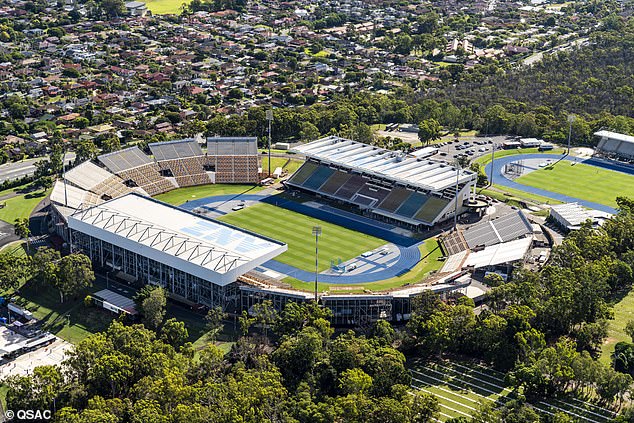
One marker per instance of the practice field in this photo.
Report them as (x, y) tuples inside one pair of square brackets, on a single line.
[(581, 181), (165, 7), (295, 229), (623, 313)]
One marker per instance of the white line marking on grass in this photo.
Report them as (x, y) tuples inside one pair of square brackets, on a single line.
[(444, 382), (598, 407), (467, 383), (466, 375), (446, 406), (588, 419), (446, 399)]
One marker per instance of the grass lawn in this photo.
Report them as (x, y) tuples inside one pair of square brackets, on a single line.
[(623, 312), (165, 7), (514, 197), (289, 165), (296, 230), (21, 205), (429, 251), (581, 181), (182, 195)]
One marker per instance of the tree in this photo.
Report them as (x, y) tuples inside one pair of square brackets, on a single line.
[(355, 381), (629, 329), (45, 265), (45, 182), (308, 132), (75, 274), (428, 130), (174, 333), (153, 307), (113, 8), (213, 320), (22, 230)]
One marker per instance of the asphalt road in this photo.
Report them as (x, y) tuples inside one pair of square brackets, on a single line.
[(10, 171)]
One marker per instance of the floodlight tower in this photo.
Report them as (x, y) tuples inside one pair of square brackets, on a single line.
[(571, 118), (269, 117), (317, 233), (455, 215)]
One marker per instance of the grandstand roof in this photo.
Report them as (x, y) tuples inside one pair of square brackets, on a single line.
[(505, 228), (615, 136), (178, 149), (232, 146), (129, 158), (197, 245), (72, 197), (87, 175), (432, 175)]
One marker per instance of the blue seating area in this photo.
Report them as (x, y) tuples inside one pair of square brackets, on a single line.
[(336, 181), (395, 199), (412, 205), (318, 178), (351, 187)]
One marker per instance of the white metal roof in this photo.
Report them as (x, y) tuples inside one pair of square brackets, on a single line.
[(200, 246), (87, 175), (505, 252), (71, 196), (432, 175), (615, 136)]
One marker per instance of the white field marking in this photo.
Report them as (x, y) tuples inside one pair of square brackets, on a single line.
[(541, 402), (572, 413), (504, 388), (497, 401), (446, 399), (580, 408), (444, 382), (598, 407), (449, 408), (468, 383), (554, 399), (448, 391)]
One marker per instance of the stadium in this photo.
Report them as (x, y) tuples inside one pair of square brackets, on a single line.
[(380, 214)]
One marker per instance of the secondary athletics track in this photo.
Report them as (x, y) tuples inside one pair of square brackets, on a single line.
[(500, 178)]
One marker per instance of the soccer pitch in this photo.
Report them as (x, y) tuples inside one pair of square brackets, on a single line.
[(581, 181), (295, 229)]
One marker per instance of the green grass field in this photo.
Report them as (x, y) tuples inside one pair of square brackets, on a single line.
[(296, 230), (483, 160), (182, 195), (21, 205), (623, 312), (165, 7), (289, 165), (581, 181), (429, 251)]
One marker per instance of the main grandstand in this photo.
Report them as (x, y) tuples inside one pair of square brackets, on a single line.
[(144, 241), (137, 170), (234, 160), (183, 160), (386, 185), (615, 145)]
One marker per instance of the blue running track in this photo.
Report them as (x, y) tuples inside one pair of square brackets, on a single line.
[(500, 178)]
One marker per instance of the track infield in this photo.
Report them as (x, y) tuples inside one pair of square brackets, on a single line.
[(581, 181), (295, 229)]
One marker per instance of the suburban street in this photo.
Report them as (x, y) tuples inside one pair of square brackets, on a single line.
[(10, 171)]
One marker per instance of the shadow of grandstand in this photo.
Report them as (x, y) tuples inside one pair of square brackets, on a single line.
[(236, 196), (357, 223)]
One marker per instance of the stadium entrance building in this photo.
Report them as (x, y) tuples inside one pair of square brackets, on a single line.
[(143, 241), (387, 185)]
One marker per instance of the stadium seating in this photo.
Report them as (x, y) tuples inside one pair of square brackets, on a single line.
[(412, 204), (432, 207), (187, 171), (318, 178), (148, 178), (303, 173), (394, 200), (351, 187), (371, 191), (335, 182)]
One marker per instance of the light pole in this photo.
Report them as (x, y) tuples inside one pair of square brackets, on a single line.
[(492, 162), (571, 118), (269, 117), (316, 232), (455, 216)]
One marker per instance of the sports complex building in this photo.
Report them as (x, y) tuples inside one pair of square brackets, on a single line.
[(105, 210), (615, 146)]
